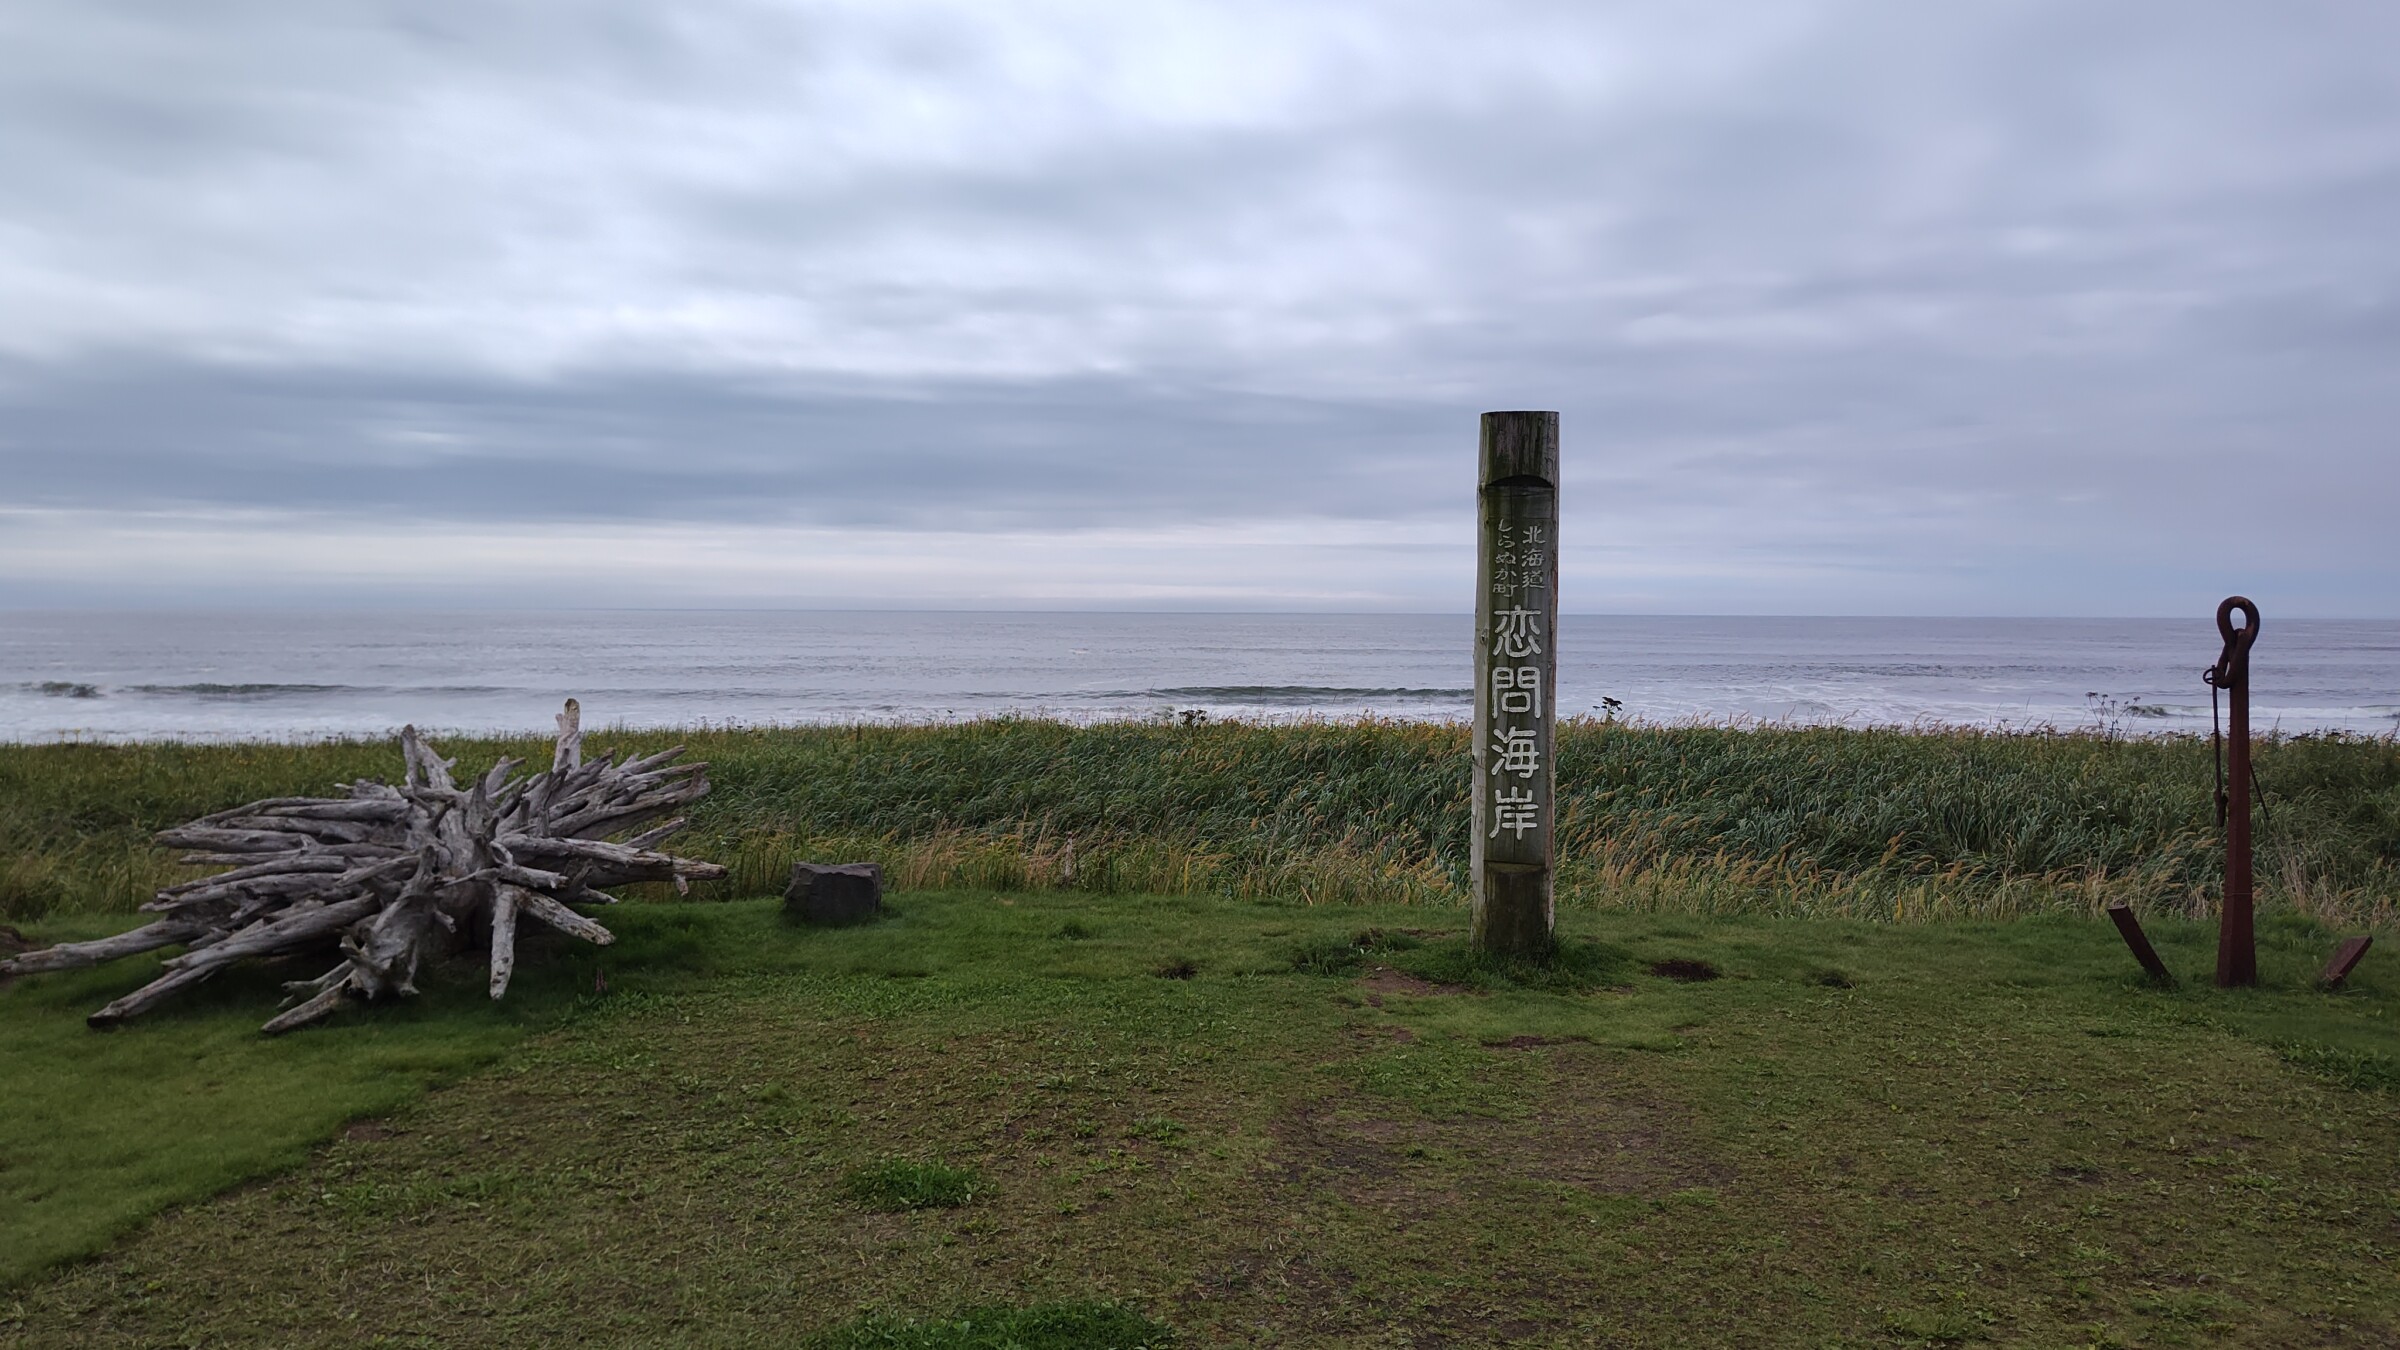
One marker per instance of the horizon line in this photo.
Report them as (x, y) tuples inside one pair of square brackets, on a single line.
[(388, 607)]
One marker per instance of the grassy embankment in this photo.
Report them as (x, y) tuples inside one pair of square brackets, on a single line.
[(1252, 1124), (1818, 822), (1869, 1134)]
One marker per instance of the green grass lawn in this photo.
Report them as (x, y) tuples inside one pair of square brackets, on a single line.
[(1059, 1119)]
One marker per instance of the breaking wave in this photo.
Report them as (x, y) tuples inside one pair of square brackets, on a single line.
[(1307, 693), (205, 690)]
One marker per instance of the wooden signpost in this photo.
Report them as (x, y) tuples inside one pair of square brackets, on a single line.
[(1516, 660)]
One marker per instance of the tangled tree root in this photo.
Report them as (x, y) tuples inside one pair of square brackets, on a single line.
[(394, 876)]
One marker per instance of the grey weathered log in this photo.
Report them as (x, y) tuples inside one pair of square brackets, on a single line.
[(621, 863), (312, 1000), (426, 769), (612, 817), (313, 860), (350, 852), (319, 1006), (385, 811), (298, 989), (294, 882), (646, 763), (149, 996), (290, 932), (76, 955), (563, 919), (295, 928), (497, 779), (269, 804), (218, 840), (568, 752), (307, 827), (504, 937), (658, 833), (514, 875), (390, 877)]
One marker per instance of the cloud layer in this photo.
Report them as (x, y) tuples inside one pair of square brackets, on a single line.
[(1848, 307)]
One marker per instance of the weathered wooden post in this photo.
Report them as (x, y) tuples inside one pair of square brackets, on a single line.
[(1516, 660)]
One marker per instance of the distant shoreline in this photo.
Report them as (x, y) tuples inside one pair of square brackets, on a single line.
[(279, 677), (2121, 730)]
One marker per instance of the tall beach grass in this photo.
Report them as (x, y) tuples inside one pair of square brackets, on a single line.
[(1878, 823)]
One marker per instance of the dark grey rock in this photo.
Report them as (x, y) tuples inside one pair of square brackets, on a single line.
[(834, 892)]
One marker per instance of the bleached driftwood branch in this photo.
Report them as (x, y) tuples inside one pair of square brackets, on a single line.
[(394, 876)]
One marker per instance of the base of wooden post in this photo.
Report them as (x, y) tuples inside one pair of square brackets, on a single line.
[(1513, 912)]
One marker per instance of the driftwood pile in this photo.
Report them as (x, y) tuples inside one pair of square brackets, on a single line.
[(395, 876)]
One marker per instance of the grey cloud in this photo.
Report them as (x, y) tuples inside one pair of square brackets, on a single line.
[(1911, 287), (650, 446)]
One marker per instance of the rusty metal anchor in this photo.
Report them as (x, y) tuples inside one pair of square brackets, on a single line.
[(2237, 941)]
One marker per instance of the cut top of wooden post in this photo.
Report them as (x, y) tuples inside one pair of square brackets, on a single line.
[(1519, 446)]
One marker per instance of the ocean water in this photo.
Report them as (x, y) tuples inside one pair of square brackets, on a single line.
[(280, 675)]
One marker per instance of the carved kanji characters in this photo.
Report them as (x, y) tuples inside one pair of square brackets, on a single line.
[(1517, 751), (1514, 810), (1517, 633), (1517, 690)]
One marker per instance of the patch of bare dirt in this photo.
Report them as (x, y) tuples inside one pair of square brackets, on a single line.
[(368, 1130), (1594, 1128), (1487, 1331), (1303, 1294), (1684, 969), (1384, 980)]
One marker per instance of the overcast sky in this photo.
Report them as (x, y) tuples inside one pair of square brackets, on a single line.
[(2017, 308)]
